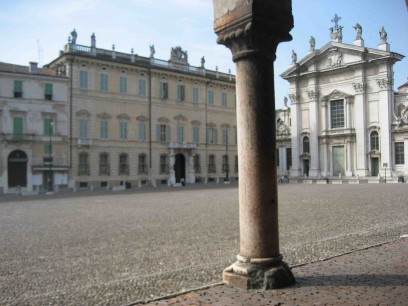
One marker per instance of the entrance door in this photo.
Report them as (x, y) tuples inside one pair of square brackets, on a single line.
[(375, 166), (17, 169), (306, 167), (338, 160), (180, 168)]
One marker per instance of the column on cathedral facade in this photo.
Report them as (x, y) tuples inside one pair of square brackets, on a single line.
[(314, 170), (253, 30), (296, 130)]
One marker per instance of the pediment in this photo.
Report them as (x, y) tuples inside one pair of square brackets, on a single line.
[(336, 94), (141, 118), (333, 55), (180, 118), (123, 117)]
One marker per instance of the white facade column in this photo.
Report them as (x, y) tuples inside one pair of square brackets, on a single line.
[(190, 169), (172, 161), (296, 132), (361, 135), (314, 169), (325, 171), (349, 161)]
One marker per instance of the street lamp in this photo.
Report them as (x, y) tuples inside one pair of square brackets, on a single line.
[(50, 181)]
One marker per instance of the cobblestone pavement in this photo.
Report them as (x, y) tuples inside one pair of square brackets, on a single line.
[(374, 276), (128, 247)]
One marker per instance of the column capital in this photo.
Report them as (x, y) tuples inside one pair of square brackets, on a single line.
[(252, 27)]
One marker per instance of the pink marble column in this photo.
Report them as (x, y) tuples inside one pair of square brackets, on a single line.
[(253, 30)]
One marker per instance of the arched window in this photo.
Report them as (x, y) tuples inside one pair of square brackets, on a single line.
[(306, 145), (374, 141)]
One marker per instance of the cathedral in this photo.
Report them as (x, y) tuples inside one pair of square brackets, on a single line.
[(347, 123)]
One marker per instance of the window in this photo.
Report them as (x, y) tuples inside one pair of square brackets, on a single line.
[(104, 168), (180, 92), (123, 84), (164, 164), (195, 95), (18, 89), (180, 133), (306, 145), (123, 130), (142, 87), (225, 164), (374, 141), (197, 165), (224, 136), (288, 158), (83, 164), (83, 129), (399, 153), (48, 91), (103, 129), (83, 79), (337, 114), (211, 97), (196, 134), (211, 164), (48, 127), (142, 164), (163, 133), (212, 136), (141, 131), (164, 90), (103, 86), (224, 99), (123, 164), (236, 163), (18, 128)]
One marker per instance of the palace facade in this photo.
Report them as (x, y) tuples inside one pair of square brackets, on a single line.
[(141, 120)]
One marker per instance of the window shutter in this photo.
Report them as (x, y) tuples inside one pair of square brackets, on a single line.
[(215, 136), (168, 134), (158, 132)]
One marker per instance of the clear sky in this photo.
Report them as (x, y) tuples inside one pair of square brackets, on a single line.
[(37, 30)]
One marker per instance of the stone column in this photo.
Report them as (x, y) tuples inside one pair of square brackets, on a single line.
[(252, 30)]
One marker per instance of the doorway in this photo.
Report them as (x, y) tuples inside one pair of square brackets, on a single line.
[(17, 169), (180, 168), (375, 166), (306, 167)]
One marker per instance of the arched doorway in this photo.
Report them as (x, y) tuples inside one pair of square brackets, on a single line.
[(180, 168), (17, 169)]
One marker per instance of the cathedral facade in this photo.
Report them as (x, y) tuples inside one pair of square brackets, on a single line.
[(346, 120)]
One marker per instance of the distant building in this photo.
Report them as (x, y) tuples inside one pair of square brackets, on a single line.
[(346, 120), (34, 127), (140, 120)]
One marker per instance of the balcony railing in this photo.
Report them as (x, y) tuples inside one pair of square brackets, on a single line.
[(84, 142), (183, 145), (12, 137)]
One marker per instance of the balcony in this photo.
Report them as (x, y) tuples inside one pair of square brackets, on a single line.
[(84, 142), (183, 145), (17, 138)]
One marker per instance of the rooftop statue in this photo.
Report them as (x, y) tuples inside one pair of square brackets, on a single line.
[(383, 35), (359, 30), (152, 51), (74, 37), (312, 43)]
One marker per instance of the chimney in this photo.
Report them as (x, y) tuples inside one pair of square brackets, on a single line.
[(33, 67)]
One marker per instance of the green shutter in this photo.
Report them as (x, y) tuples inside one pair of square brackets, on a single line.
[(18, 86), (168, 133), (48, 89), (158, 132), (18, 128)]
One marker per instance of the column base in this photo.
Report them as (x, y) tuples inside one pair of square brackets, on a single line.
[(261, 274)]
